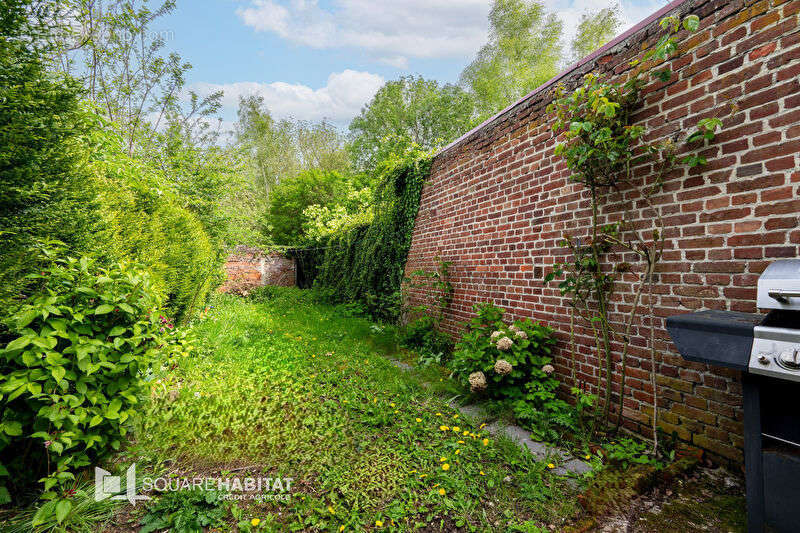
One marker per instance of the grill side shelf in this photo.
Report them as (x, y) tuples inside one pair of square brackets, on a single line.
[(723, 338)]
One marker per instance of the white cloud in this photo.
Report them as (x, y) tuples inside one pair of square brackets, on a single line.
[(398, 62), (391, 30), (338, 101)]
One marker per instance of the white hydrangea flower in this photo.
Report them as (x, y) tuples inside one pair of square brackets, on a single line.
[(496, 334), (521, 334), (548, 369), (504, 344), (502, 367), (477, 382)]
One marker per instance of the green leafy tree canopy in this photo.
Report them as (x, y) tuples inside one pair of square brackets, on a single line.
[(410, 110), (523, 52), (594, 30)]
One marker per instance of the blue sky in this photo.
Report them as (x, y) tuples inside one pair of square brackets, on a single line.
[(314, 59)]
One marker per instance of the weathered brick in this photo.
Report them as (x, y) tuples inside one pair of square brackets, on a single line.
[(499, 201)]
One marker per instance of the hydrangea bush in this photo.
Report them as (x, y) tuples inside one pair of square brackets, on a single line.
[(499, 359)]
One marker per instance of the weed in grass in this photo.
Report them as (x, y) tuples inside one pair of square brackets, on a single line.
[(304, 390)]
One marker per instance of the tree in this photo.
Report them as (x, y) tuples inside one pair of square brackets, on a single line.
[(409, 110), (111, 47), (267, 144), (522, 53), (594, 30), (284, 217), (321, 146)]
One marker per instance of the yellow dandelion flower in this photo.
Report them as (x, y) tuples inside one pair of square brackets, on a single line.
[(444, 428), (423, 476), (456, 429), (482, 426), (587, 456), (391, 404), (455, 417), (442, 459), (485, 442), (341, 528), (461, 442), (254, 522), (482, 473), (438, 414), (445, 467), (458, 452), (374, 400), (418, 419), (331, 510), (396, 411), (441, 492), (551, 466), (378, 523), (466, 433)]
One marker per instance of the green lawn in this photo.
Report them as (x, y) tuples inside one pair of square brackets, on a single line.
[(297, 389)]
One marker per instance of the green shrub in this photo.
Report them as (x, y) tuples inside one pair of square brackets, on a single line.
[(142, 223), (45, 191), (423, 336), (185, 511), (74, 372), (501, 360)]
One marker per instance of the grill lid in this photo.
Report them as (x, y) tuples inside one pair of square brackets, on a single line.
[(779, 286)]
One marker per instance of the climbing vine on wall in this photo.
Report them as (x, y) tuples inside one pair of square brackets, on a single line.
[(366, 263), (602, 146)]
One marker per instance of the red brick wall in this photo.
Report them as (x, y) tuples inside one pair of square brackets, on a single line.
[(247, 268), (498, 201)]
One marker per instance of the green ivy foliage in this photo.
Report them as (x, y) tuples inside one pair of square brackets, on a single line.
[(366, 263), (73, 375)]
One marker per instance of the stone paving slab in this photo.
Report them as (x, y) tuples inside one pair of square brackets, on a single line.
[(540, 450), (401, 365)]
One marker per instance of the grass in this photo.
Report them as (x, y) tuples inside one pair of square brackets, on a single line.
[(296, 389)]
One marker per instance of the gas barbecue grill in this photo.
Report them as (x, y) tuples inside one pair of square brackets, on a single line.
[(767, 350)]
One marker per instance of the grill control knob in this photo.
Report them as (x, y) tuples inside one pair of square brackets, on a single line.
[(790, 359), (763, 359)]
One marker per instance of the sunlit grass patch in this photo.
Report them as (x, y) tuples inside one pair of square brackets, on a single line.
[(299, 389)]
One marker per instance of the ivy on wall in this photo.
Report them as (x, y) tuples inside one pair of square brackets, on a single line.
[(366, 264)]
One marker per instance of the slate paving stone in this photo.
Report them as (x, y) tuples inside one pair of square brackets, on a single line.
[(540, 450), (401, 365)]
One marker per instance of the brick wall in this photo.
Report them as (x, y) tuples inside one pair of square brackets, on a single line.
[(247, 268), (498, 201)]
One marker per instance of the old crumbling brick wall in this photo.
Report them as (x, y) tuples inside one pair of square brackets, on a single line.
[(498, 201), (247, 268)]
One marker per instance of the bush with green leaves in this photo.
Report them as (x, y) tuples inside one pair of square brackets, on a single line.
[(501, 360), (45, 193), (185, 511), (142, 221), (422, 335), (73, 375)]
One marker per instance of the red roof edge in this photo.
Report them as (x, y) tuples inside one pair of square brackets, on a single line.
[(575, 66)]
